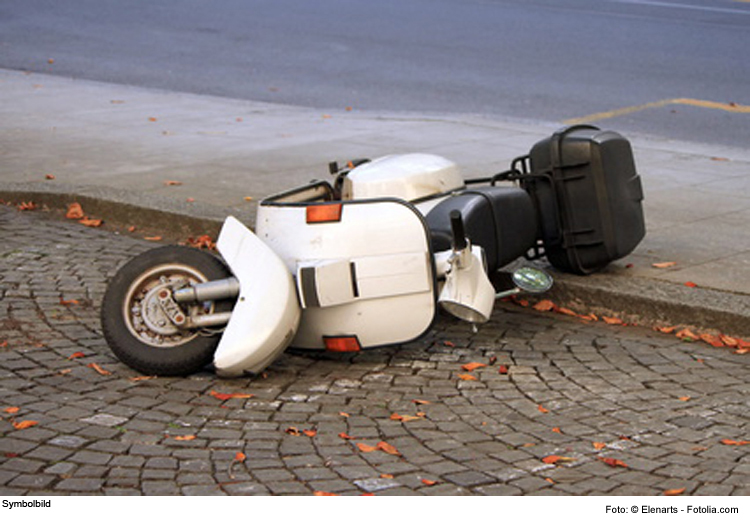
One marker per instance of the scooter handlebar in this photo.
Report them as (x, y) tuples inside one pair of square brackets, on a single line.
[(457, 228)]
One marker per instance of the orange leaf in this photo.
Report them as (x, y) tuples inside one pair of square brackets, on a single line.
[(686, 334), (729, 341), (503, 369), (544, 305), (614, 321), (26, 206), (613, 462), (324, 494), (239, 457), (12, 410), (72, 302), (185, 437), (364, 448), (310, 432), (729, 442), (449, 344), (599, 445), (418, 401), (685, 398), (388, 448), (663, 265), (691, 284), (714, 340), (49, 177), (554, 459), (566, 311), (96, 367), (542, 409), (75, 211), (227, 396), (345, 436), (172, 183), (141, 378), (386, 476), (429, 482), (25, 424), (153, 239), (345, 415), (472, 366), (666, 329), (291, 430), (671, 492), (77, 354), (557, 430), (91, 222), (467, 377)]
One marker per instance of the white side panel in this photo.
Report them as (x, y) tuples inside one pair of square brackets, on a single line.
[(388, 243), (266, 315)]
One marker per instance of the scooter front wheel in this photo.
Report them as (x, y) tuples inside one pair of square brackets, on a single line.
[(138, 327)]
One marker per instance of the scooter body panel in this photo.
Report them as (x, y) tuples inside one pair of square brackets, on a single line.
[(267, 313), (368, 275)]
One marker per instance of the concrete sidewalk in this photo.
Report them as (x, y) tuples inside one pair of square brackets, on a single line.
[(114, 148)]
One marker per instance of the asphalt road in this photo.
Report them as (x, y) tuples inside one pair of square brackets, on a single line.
[(639, 65)]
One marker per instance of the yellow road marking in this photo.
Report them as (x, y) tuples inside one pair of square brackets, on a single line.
[(706, 104)]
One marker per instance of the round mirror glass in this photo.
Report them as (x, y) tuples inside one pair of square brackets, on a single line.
[(532, 280)]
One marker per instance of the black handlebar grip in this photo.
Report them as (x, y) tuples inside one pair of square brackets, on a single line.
[(457, 227)]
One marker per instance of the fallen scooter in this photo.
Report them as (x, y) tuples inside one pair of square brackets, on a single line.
[(365, 261)]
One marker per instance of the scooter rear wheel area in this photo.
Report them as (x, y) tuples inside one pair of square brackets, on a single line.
[(136, 327)]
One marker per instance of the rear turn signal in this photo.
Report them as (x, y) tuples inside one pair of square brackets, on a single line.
[(324, 213), (342, 344)]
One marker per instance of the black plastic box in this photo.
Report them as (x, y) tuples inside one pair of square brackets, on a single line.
[(588, 197)]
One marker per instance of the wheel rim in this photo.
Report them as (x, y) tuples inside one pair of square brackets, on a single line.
[(143, 315)]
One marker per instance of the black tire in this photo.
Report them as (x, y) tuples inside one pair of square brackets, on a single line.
[(130, 326)]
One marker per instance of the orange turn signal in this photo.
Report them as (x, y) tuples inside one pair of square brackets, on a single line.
[(324, 213), (342, 344)]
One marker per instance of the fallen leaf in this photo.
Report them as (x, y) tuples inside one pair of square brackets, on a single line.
[(26, 206), (590, 316), (686, 334), (49, 177), (4, 344), (96, 367), (554, 459), (473, 366), (309, 432), (75, 211), (153, 239), (599, 446), (672, 492), (386, 476), (544, 305), (467, 377), (503, 369), (172, 183), (418, 401), (449, 344), (345, 415), (77, 354), (291, 430), (64, 371), (493, 359), (664, 265), (566, 311), (613, 462), (227, 396), (729, 341), (202, 242), (72, 302), (364, 448), (239, 457), (131, 229), (184, 438), (388, 448), (549, 480), (613, 321), (714, 340), (345, 436), (141, 378), (248, 199), (25, 424), (691, 284), (12, 410), (666, 329), (151, 119), (91, 222), (324, 494), (428, 482), (542, 409), (729, 442), (557, 430), (685, 398)]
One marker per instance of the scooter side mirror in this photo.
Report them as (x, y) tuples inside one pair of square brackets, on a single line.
[(532, 280)]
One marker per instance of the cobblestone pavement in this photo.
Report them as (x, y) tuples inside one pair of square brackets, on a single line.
[(659, 405)]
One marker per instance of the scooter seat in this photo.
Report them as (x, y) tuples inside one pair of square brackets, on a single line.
[(500, 219)]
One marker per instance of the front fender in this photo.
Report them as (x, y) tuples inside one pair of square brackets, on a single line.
[(267, 313)]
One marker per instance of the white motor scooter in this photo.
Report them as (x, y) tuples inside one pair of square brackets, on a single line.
[(339, 267), (365, 261)]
